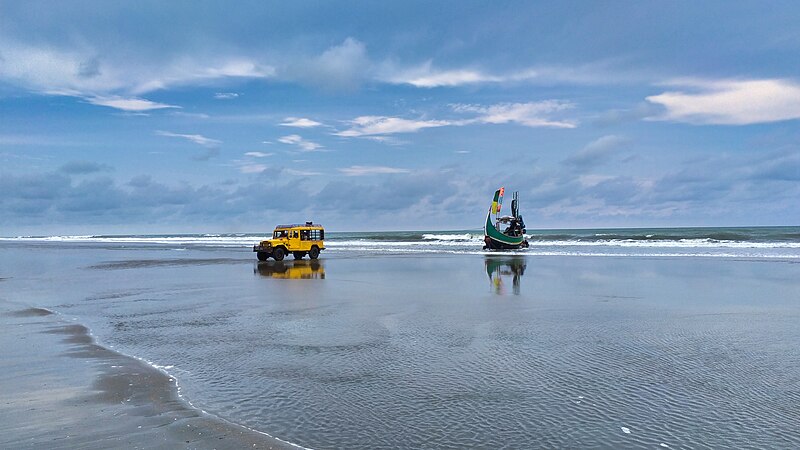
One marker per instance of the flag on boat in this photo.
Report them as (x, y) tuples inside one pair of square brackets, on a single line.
[(497, 203)]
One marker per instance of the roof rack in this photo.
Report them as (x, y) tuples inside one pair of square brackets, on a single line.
[(295, 225)]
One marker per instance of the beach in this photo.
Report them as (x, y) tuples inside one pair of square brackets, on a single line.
[(169, 344)]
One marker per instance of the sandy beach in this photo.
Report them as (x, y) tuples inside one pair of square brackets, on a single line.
[(110, 345), (62, 390)]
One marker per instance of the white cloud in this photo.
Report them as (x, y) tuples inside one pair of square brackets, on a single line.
[(355, 171), (253, 168), (301, 173), (128, 104), (426, 76), (79, 71), (186, 71), (730, 102), (340, 67), (305, 145), (225, 95), (190, 115), (377, 125), (299, 122), (532, 114), (258, 154), (196, 138)]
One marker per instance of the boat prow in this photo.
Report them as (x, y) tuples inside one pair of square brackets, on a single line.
[(513, 236)]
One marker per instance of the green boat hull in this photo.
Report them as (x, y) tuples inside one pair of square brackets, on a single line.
[(495, 239)]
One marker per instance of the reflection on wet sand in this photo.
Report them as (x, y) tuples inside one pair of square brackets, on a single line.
[(500, 269), (292, 270)]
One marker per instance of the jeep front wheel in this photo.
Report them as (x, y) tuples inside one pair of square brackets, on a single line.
[(262, 256), (314, 253), (278, 254)]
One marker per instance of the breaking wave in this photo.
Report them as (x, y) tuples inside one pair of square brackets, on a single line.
[(783, 242)]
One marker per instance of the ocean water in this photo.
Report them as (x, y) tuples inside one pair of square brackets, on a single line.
[(670, 338), (756, 242)]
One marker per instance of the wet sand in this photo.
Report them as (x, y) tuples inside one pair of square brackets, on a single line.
[(62, 390), (394, 351)]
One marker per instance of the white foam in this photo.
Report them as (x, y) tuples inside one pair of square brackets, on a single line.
[(452, 237), (626, 430)]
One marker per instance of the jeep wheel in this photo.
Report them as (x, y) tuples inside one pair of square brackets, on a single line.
[(314, 253), (278, 254), (262, 256), (298, 255)]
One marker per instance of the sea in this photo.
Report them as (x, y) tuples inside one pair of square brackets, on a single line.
[(739, 242), (590, 338)]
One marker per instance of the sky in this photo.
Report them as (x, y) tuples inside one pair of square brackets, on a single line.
[(201, 116)]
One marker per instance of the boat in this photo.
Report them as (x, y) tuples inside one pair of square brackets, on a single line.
[(512, 236)]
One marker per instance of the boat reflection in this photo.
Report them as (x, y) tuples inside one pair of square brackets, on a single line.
[(500, 269), (292, 270)]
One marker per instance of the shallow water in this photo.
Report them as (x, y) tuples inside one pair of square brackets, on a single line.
[(447, 350)]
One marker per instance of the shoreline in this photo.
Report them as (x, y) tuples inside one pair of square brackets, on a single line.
[(64, 390)]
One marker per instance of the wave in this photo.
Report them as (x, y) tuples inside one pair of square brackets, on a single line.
[(756, 242)]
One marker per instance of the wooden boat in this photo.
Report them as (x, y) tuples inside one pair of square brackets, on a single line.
[(512, 235)]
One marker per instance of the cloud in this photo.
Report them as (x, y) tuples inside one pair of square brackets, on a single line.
[(109, 79), (294, 139), (188, 71), (730, 102), (302, 173), (596, 152), (258, 154), (225, 95), (83, 167), (196, 138), (531, 114), (299, 122), (425, 76), (127, 104), (253, 168), (377, 125), (340, 67), (356, 171)]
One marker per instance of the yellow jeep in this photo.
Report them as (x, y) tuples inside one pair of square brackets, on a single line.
[(299, 240)]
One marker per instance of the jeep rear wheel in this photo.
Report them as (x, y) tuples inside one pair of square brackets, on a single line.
[(298, 255), (262, 256), (314, 253), (278, 254)]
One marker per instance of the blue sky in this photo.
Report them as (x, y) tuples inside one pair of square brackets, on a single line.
[(125, 117)]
